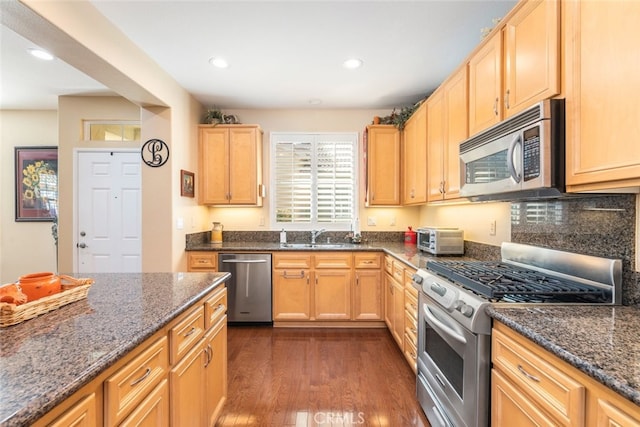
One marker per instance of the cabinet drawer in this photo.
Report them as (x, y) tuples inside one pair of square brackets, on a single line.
[(398, 271), (215, 307), (411, 328), (82, 414), (388, 264), (153, 411), (410, 352), (560, 394), (411, 303), (332, 260), (125, 389), (186, 333), (292, 260), (367, 260), (207, 261)]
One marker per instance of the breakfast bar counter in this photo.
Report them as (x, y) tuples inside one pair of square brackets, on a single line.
[(46, 359)]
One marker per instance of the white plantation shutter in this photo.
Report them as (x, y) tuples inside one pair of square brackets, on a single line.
[(314, 179)]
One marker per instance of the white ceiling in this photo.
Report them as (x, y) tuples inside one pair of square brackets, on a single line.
[(282, 54)]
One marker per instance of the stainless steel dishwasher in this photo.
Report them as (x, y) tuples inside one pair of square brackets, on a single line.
[(249, 288)]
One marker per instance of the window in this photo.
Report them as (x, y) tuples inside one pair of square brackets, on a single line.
[(97, 130), (314, 180)]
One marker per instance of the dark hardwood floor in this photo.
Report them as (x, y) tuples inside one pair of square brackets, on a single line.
[(318, 377)]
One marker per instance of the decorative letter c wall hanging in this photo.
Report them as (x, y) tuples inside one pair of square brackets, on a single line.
[(155, 153)]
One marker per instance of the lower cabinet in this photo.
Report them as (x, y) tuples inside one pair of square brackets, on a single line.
[(532, 387), (177, 377), (327, 286)]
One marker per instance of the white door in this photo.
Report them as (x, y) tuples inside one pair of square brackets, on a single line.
[(109, 212)]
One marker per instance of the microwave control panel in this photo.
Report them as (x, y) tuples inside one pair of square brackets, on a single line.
[(531, 153)]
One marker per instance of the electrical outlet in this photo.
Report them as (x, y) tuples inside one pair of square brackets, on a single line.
[(180, 223), (392, 221), (492, 228), (371, 221), (262, 220)]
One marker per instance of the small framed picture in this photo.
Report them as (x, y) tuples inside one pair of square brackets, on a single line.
[(36, 189), (187, 183)]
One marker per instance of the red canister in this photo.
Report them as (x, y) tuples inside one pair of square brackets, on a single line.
[(410, 236)]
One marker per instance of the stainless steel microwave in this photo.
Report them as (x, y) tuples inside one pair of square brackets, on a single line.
[(520, 158)]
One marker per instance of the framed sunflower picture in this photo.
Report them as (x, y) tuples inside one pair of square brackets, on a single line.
[(36, 183)]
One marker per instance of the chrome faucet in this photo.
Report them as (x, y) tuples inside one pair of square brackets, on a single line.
[(315, 234)]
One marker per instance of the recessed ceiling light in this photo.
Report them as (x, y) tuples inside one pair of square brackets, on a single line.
[(352, 63), (40, 54), (218, 62)]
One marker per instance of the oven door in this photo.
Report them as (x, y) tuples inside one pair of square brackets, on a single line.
[(453, 363)]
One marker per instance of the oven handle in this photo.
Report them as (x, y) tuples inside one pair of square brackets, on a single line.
[(442, 327), (511, 164)]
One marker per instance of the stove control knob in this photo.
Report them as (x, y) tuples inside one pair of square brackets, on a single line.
[(417, 278), (438, 289), (463, 308)]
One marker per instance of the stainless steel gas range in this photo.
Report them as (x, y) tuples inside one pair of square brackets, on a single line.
[(454, 331)]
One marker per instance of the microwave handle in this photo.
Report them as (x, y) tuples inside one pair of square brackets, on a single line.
[(510, 160)]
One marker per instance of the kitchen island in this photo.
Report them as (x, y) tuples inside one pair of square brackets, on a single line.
[(45, 360)]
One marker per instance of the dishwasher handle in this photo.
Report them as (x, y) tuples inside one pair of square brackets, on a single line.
[(244, 261)]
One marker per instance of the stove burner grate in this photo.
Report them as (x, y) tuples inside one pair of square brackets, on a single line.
[(501, 281)]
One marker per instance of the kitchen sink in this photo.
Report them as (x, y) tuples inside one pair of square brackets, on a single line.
[(312, 246)]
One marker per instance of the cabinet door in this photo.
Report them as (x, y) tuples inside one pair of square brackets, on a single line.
[(187, 389), (291, 294), (388, 301), (383, 166), (367, 295), (608, 414), (398, 313), (82, 414), (153, 411), (602, 114), (214, 166), (436, 142), (510, 407), (456, 128), (332, 295), (414, 157), (532, 52), (485, 85), (215, 371), (243, 166)]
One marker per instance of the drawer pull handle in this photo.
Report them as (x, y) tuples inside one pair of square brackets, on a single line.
[(286, 276), (191, 331), (219, 307), (209, 352), (142, 378), (415, 331), (528, 375)]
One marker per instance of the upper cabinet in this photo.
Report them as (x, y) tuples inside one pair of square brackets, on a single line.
[(414, 157), (230, 164), (447, 114), (517, 66), (601, 64), (383, 166)]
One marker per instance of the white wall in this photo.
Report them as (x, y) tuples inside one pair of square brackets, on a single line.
[(309, 120), (25, 247)]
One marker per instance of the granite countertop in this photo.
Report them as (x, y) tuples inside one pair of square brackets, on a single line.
[(45, 360), (601, 341), (407, 253)]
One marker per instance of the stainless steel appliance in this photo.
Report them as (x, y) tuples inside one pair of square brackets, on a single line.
[(440, 240), (249, 288), (454, 351), (521, 157)]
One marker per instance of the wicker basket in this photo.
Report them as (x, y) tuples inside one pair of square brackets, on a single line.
[(72, 290)]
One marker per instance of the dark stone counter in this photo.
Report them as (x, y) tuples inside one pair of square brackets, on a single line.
[(601, 341), (45, 360)]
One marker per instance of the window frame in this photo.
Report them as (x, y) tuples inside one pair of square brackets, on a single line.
[(334, 226)]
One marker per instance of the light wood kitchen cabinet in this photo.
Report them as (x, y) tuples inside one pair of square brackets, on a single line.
[(202, 261), (517, 66), (230, 165), (291, 286), (332, 286), (198, 380), (414, 158), (394, 302), (601, 66), (367, 290), (531, 386), (82, 414), (383, 166), (447, 117), (153, 411)]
